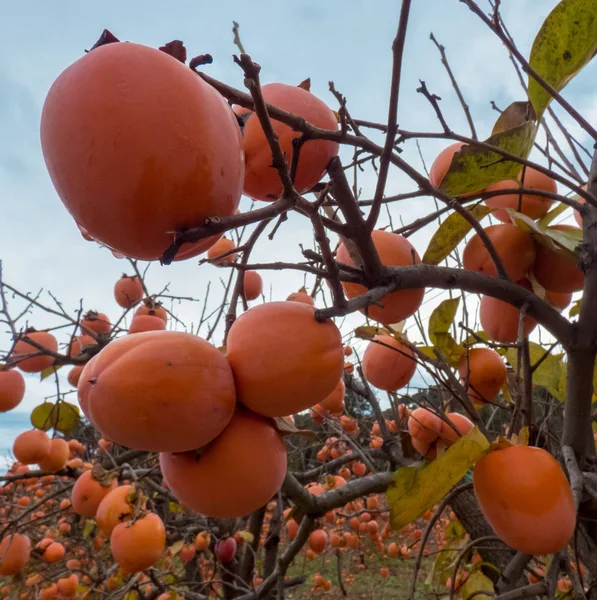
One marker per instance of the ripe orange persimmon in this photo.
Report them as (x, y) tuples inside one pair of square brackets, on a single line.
[(22, 349), (531, 205), (558, 300), (88, 492), (79, 343), (236, 474), (15, 550), (500, 320), (262, 181), (318, 540), (393, 250), (142, 323), (128, 185), (555, 271), (57, 458), (222, 246), (252, 285), (388, 364), (54, 552), (486, 373), (424, 425), (138, 545), (67, 586), (158, 391), (115, 507), (442, 163), (96, 322), (128, 291), (301, 296), (526, 498), (30, 447), (12, 389), (334, 402), (153, 308), (284, 360), (514, 246), (74, 375)]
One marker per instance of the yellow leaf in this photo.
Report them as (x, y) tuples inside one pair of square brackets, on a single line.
[(176, 547), (475, 583), (175, 508), (417, 489), (49, 371), (515, 115), (88, 529), (247, 536), (450, 233), (440, 322), (522, 439), (555, 212), (41, 416), (574, 309), (66, 416), (547, 374), (368, 332)]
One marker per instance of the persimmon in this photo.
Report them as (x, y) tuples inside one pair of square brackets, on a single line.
[(318, 540), (292, 528), (442, 163), (558, 300), (486, 373), (221, 247), (301, 296), (236, 474), (131, 195), (262, 181), (31, 447), (558, 271), (159, 391), (152, 307), (138, 545), (393, 250), (202, 541), (30, 358), (96, 322), (334, 402), (252, 285), (462, 425), (141, 323), (526, 498), (424, 425), (388, 364), (79, 343), (67, 586), (284, 360), (54, 552), (500, 320), (128, 291), (74, 375), (514, 246), (531, 205), (115, 507), (12, 389), (57, 457), (89, 491), (384, 572), (15, 550)]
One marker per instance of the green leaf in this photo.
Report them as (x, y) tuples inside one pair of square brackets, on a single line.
[(41, 416), (368, 332), (556, 240), (440, 322), (176, 547), (49, 371), (246, 536), (175, 508), (515, 115), (473, 169), (566, 42), (477, 582), (66, 416), (417, 489), (552, 214), (450, 233), (444, 564), (547, 374), (574, 309), (88, 529)]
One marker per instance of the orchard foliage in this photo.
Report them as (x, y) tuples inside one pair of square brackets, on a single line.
[(204, 462)]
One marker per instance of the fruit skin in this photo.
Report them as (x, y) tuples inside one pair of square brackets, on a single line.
[(442, 163), (424, 425), (133, 196), (486, 373), (31, 447), (514, 246), (388, 364), (12, 389), (128, 291), (35, 364), (318, 540), (301, 296), (15, 550), (500, 320), (142, 323), (262, 181), (96, 322), (225, 550), (88, 492), (161, 391), (236, 474), (252, 285), (334, 402), (556, 272), (526, 498), (57, 458), (138, 545), (283, 359), (393, 250), (534, 207), (153, 308), (115, 508), (74, 375), (222, 246)]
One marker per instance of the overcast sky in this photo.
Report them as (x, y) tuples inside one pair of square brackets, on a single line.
[(347, 41)]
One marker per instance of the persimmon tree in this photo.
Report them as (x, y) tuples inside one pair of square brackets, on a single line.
[(200, 463)]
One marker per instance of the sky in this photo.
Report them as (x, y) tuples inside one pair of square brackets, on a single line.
[(345, 41)]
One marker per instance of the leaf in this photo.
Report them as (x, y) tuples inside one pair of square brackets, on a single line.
[(547, 374), (66, 416), (49, 371), (417, 489), (566, 42), (455, 530), (246, 536), (574, 309), (473, 169), (439, 326), (477, 582), (176, 547), (450, 233), (285, 427), (88, 529), (522, 438), (444, 563), (518, 113), (428, 351), (552, 214), (368, 332), (41, 416), (175, 508)]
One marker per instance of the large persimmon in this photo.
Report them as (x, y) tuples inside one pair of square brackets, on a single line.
[(89, 491), (500, 320), (531, 205), (32, 358), (116, 507), (12, 389), (236, 474), (526, 498), (138, 147), (31, 447), (558, 271), (162, 391), (486, 373), (262, 181), (393, 250), (284, 360), (514, 246), (15, 550), (388, 364)]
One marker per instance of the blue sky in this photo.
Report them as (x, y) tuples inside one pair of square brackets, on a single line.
[(346, 41)]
